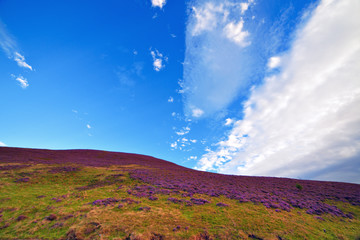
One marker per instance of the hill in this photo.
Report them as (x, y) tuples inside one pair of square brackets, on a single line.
[(91, 194)]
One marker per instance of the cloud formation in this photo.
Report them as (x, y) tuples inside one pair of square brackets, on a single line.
[(22, 81), (274, 62), (20, 59), (158, 3), (305, 120), (2, 144), (128, 75), (158, 60), (215, 62), (9, 46)]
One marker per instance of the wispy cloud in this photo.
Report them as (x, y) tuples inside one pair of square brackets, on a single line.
[(182, 144), (127, 75), (216, 38), (192, 158), (9, 46), (171, 99), (158, 60), (183, 131), (22, 81), (197, 112), (158, 3), (304, 121), (20, 59), (183, 141), (2, 144), (88, 126), (229, 122)]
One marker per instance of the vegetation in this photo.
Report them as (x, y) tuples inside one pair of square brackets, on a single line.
[(75, 201)]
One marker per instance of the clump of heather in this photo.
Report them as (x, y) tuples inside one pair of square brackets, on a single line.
[(105, 202), (63, 169), (51, 217), (129, 201), (25, 179), (12, 167), (21, 217), (146, 209), (182, 201), (147, 191), (220, 204), (153, 198), (276, 193), (199, 201)]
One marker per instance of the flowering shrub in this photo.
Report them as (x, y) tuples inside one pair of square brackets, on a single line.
[(275, 193), (25, 179), (12, 167), (175, 200), (220, 204), (166, 177), (199, 201), (146, 209), (63, 169), (105, 202)]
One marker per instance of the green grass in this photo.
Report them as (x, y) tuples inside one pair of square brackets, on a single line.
[(237, 221)]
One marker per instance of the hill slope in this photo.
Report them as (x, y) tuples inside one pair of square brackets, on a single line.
[(90, 194)]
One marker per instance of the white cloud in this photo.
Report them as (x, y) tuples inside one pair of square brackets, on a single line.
[(234, 32), (274, 62), (304, 121), (158, 60), (183, 131), (171, 99), (192, 158), (245, 6), (88, 126), (206, 17), (9, 46), (20, 59), (216, 63), (158, 3), (229, 121), (2, 144), (197, 112), (22, 81), (173, 145)]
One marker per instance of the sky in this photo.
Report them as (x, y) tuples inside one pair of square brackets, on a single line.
[(244, 87)]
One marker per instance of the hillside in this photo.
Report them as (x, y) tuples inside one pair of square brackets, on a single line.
[(90, 194)]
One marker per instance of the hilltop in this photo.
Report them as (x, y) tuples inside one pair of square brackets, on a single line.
[(92, 194)]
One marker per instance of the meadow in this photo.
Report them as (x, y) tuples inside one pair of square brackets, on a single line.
[(87, 194)]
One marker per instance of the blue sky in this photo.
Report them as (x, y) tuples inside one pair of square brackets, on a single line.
[(253, 87)]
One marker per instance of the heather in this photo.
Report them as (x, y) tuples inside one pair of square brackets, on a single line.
[(83, 194)]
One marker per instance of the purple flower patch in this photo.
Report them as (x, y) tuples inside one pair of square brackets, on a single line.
[(105, 202), (25, 179), (220, 204), (199, 201)]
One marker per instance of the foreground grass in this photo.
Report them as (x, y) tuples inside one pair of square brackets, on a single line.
[(52, 205)]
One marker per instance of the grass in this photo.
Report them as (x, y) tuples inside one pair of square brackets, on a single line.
[(74, 213)]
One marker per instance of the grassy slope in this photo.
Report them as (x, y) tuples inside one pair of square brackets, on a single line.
[(238, 221)]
